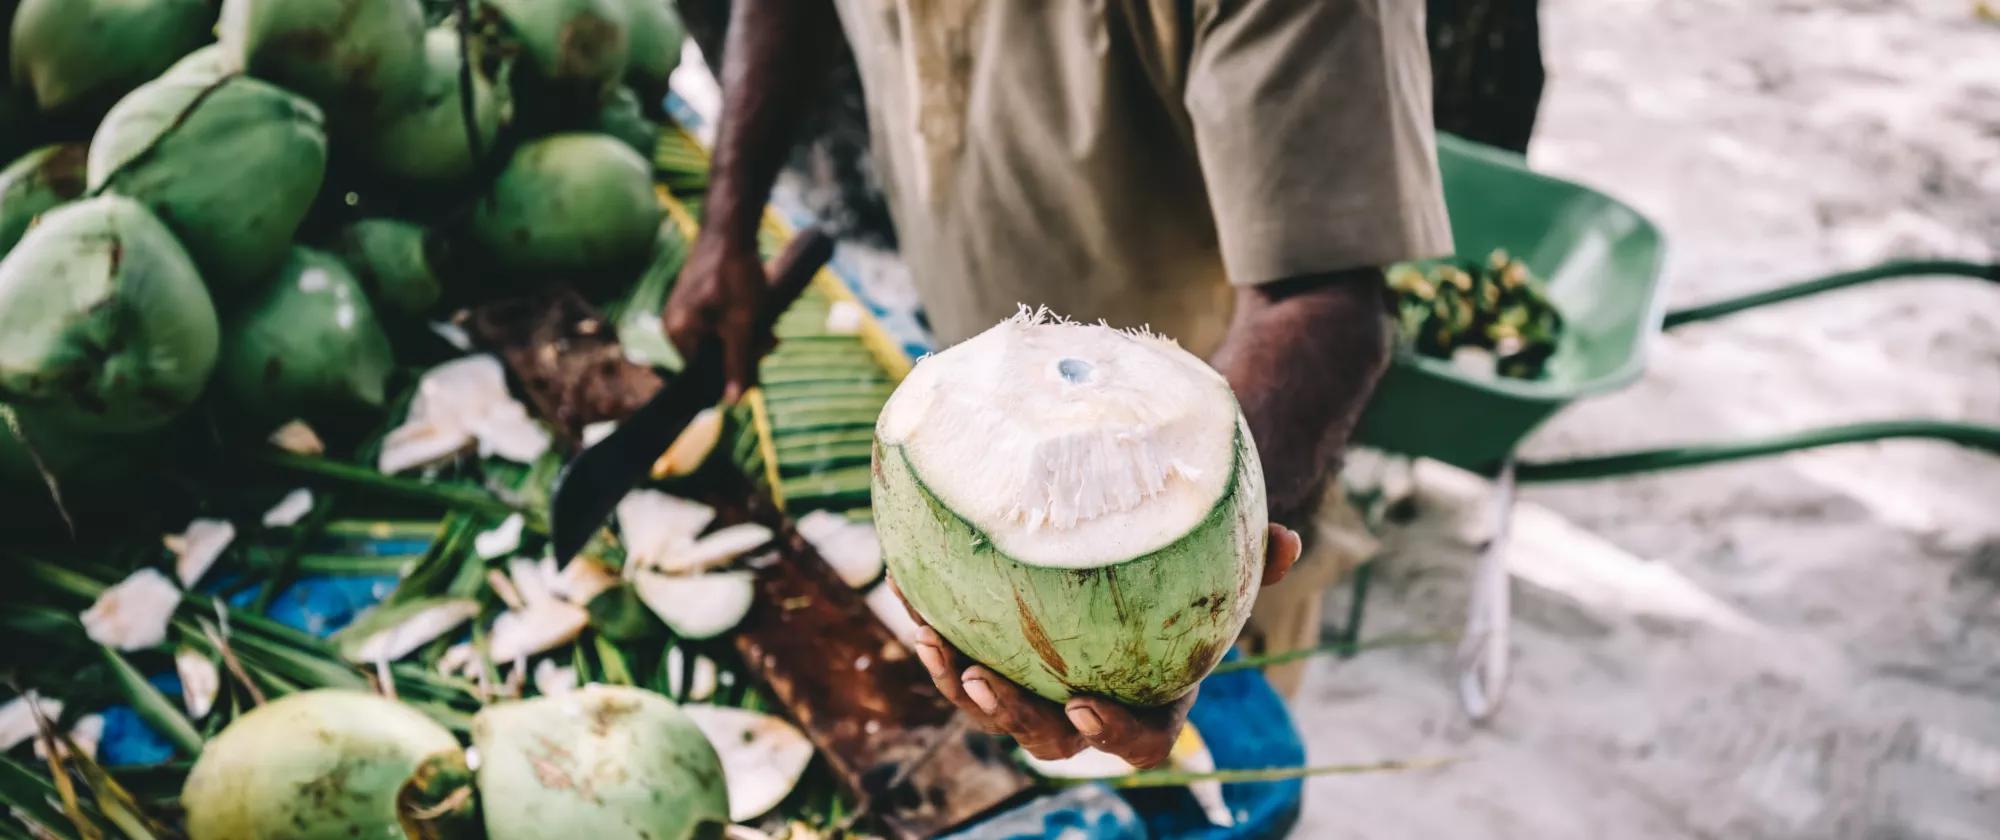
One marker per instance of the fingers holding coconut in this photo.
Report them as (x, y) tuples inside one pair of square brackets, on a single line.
[(1038, 725), (1142, 737), (1283, 549)]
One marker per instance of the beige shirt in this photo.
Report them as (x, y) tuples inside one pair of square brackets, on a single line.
[(1131, 159)]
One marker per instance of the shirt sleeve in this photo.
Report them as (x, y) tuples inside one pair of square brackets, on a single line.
[(1312, 120)]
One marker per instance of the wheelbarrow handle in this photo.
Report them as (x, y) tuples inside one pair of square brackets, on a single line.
[(1841, 280)]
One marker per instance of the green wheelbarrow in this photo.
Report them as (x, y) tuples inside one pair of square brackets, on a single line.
[(1602, 264)]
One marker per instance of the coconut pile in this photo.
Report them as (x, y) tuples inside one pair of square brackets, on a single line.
[(246, 213)]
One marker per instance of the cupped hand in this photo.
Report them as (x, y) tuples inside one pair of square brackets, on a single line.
[(1142, 737)]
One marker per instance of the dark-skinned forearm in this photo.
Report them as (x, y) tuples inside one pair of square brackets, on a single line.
[(775, 59), (1303, 356)]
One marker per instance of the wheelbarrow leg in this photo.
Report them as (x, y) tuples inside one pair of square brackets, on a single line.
[(1482, 650)]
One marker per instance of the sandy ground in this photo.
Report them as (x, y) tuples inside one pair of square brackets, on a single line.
[(1806, 646)]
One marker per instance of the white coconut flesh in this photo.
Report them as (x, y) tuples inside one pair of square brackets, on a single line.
[(133, 614), (389, 633), (697, 606), (1094, 446), (298, 438), (200, 681), (197, 548), (713, 551), (501, 539), (850, 547), (889, 609), (702, 684), (458, 404), (290, 509), (763, 757), (652, 523), (17, 718)]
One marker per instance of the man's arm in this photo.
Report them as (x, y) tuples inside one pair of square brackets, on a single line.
[(1303, 356), (775, 58)]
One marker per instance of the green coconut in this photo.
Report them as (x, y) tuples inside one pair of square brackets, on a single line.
[(354, 58), (330, 765), (568, 203), (308, 346), (622, 118), (655, 33), (1107, 534), (35, 184), (230, 164), (104, 321), (575, 50), (604, 762), (86, 53), (391, 258), (427, 142)]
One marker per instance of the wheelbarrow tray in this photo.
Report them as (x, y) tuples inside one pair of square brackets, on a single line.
[(1601, 261)]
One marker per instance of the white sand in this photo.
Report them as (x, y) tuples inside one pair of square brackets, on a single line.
[(1806, 646)]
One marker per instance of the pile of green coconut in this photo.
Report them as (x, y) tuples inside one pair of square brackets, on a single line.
[(241, 209)]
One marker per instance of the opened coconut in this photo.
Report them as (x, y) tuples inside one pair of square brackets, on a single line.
[(354, 58), (36, 183), (309, 345), (83, 54), (391, 258), (330, 764), (103, 321), (1079, 508), (604, 762), (230, 164), (428, 141), (568, 203)]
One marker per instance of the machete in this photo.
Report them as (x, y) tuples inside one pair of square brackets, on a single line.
[(591, 485)]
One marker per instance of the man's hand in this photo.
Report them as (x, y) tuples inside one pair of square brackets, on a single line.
[(1143, 737), (717, 299)]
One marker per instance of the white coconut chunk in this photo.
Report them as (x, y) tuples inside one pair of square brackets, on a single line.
[(697, 606), (845, 317), (598, 431), (1093, 445), (85, 735), (692, 447), (763, 757), (459, 403), (409, 626), (1190, 754), (458, 660), (17, 718), (538, 628), (714, 550), (414, 445), (298, 438), (584, 579), (651, 523), (850, 547), (536, 581), (744, 832), (1090, 763), (200, 681), (452, 334), (197, 548), (133, 613), (290, 509), (889, 609), (501, 540), (701, 687), (552, 680)]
